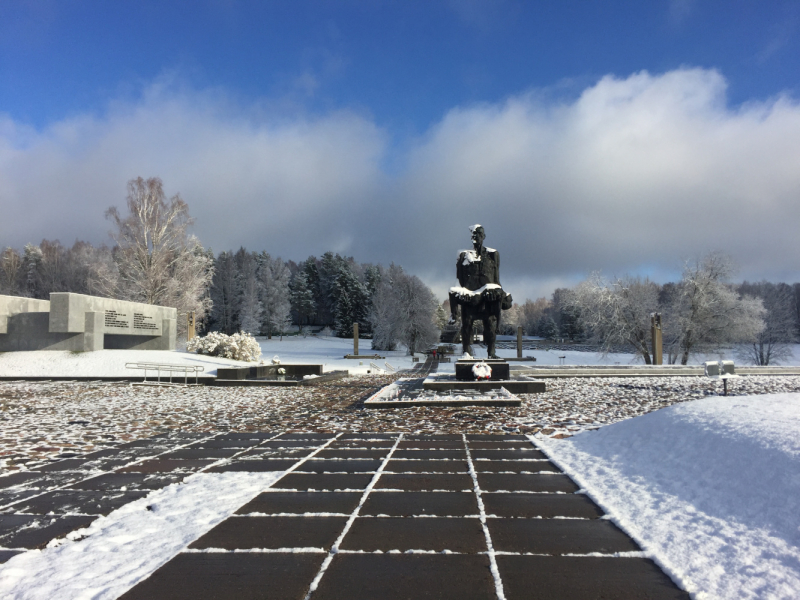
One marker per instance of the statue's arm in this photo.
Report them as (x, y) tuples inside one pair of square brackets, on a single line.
[(497, 267)]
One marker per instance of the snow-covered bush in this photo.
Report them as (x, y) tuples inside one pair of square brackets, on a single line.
[(239, 346)]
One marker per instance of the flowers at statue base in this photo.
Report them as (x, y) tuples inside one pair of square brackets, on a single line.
[(482, 371)]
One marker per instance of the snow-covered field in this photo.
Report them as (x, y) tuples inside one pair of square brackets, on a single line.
[(709, 488), (328, 351)]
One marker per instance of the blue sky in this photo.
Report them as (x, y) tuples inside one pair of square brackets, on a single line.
[(394, 110)]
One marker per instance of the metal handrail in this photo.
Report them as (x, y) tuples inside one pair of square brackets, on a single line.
[(390, 367), (374, 366), (185, 370)]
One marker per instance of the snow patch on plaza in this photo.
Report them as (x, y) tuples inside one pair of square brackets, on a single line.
[(115, 552), (102, 363), (709, 488)]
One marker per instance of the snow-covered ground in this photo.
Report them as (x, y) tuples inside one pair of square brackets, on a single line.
[(709, 488), (120, 550), (328, 351), (103, 363)]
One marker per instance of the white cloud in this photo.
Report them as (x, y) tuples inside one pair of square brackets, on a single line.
[(632, 175), (281, 185), (642, 170)]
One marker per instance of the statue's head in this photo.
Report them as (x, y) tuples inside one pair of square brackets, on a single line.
[(477, 235)]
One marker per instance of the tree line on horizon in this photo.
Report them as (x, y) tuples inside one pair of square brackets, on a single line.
[(704, 312), (155, 260)]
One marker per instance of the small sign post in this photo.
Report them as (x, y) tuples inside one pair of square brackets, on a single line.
[(355, 339), (190, 330), (519, 341)]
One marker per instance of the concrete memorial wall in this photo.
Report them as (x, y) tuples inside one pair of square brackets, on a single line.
[(81, 323)]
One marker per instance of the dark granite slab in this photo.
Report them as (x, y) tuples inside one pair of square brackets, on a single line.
[(407, 577), (541, 505), (397, 533), (559, 536), (406, 504), (302, 502), (223, 576), (273, 532), (570, 577), (492, 482)]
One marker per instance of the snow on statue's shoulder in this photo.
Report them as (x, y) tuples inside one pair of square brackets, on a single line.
[(490, 250), (469, 256)]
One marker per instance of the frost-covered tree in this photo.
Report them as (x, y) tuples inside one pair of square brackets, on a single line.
[(417, 306), (10, 269), (273, 275), (705, 312), (31, 265), (441, 317), (383, 315), (512, 318), (773, 344), (403, 311), (156, 259), (617, 312)]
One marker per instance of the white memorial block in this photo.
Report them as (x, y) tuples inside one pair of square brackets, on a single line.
[(78, 322)]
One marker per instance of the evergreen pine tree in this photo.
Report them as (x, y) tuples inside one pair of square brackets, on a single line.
[(302, 299)]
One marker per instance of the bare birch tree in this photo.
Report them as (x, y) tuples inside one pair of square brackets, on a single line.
[(157, 261), (10, 268)]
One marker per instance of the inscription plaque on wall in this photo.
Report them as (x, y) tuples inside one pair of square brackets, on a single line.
[(141, 321), (116, 319)]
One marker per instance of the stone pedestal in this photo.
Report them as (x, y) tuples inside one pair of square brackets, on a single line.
[(500, 369)]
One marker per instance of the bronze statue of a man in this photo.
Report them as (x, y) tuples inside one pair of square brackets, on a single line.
[(480, 294)]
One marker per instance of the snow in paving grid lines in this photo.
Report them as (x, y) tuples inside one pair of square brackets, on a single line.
[(710, 489), (116, 552), (40, 421)]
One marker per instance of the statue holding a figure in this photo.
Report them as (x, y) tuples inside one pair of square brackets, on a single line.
[(479, 294)]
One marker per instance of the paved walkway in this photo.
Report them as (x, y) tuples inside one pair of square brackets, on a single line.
[(360, 516)]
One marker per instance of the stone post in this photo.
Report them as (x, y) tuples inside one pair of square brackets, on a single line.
[(655, 332), (355, 339), (190, 329), (519, 341), (93, 336)]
